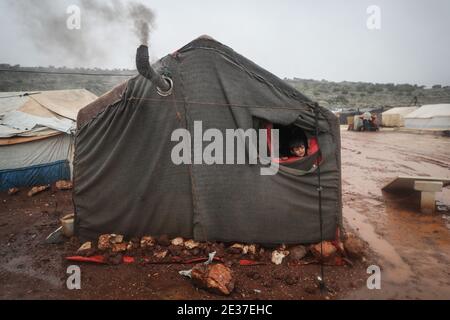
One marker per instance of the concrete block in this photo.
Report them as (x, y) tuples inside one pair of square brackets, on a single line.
[(427, 202), (428, 186)]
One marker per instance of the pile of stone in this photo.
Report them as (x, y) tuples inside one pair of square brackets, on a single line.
[(218, 277)]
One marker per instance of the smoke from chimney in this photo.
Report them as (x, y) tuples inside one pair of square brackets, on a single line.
[(44, 23)]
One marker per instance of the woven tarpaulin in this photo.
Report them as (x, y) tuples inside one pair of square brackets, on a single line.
[(125, 181)]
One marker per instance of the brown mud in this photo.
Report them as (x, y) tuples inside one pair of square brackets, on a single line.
[(413, 248)]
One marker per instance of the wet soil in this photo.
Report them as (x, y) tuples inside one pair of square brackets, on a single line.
[(413, 248), (31, 269)]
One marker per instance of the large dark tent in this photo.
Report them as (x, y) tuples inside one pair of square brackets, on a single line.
[(125, 181)]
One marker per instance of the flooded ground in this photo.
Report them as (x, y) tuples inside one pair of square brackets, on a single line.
[(413, 249)]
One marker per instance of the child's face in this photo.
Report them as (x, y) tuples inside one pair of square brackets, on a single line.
[(299, 151)]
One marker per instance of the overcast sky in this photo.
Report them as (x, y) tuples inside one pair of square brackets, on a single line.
[(321, 39)]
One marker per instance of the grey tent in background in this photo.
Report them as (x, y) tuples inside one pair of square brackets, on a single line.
[(125, 181), (431, 116)]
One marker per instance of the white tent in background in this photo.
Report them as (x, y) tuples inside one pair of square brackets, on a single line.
[(395, 117), (36, 141), (431, 116)]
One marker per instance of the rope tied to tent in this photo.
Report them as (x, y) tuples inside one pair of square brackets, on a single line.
[(20, 95), (321, 278), (219, 104)]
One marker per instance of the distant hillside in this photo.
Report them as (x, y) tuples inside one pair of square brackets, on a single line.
[(363, 94), (84, 78), (329, 94)]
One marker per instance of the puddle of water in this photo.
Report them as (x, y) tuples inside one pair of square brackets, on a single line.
[(394, 268), (414, 249)]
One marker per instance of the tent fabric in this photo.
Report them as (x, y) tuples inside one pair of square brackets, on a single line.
[(65, 103), (125, 181), (23, 122), (36, 162), (35, 175), (395, 116), (98, 105), (37, 152), (432, 116), (41, 113), (36, 141), (17, 140)]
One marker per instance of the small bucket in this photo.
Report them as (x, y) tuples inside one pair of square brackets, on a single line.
[(67, 225)]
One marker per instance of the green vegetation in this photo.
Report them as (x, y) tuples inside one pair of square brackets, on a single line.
[(361, 94), (329, 94)]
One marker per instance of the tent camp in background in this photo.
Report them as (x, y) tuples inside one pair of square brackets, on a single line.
[(395, 116), (431, 116), (36, 141)]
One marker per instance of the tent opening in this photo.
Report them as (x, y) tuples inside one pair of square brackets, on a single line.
[(290, 136)]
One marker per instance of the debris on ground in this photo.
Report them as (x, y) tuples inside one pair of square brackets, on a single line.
[(103, 242), (297, 253), (216, 278), (237, 248), (191, 244), (326, 250), (38, 189), (442, 207), (215, 274), (119, 247), (116, 238), (163, 241), (110, 241), (247, 262), (86, 249), (177, 241), (55, 237), (161, 254), (64, 185), (85, 246), (67, 223), (13, 191), (279, 255), (354, 247), (147, 241)]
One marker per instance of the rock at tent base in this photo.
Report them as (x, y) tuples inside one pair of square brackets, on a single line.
[(38, 189), (13, 191), (216, 278), (63, 185)]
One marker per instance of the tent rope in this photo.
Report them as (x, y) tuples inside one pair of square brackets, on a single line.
[(20, 95), (222, 104), (321, 279), (69, 73)]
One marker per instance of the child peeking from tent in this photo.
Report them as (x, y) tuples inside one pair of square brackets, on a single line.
[(297, 148)]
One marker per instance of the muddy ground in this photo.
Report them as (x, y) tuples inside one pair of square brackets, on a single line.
[(412, 249)]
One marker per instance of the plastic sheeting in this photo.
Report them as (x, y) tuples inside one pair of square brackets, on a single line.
[(22, 122), (41, 113), (125, 181), (38, 152), (35, 175)]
